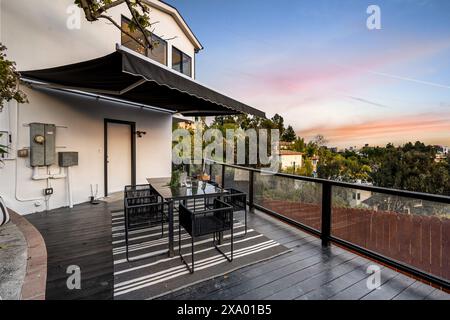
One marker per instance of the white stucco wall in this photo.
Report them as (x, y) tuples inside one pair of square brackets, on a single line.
[(288, 161), (36, 35), (84, 119)]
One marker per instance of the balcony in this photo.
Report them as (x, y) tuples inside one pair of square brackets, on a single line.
[(334, 238)]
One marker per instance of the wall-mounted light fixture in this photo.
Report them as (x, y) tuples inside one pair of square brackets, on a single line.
[(140, 134)]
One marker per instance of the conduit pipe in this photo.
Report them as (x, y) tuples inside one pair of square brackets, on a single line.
[(16, 141), (69, 188)]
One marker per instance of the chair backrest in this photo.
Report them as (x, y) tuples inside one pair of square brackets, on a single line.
[(218, 218), (236, 198), (185, 216), (135, 201), (137, 191), (225, 214), (143, 211)]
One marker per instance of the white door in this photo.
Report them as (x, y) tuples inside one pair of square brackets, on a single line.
[(118, 157)]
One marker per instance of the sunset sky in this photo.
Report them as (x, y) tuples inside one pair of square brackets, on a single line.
[(317, 64)]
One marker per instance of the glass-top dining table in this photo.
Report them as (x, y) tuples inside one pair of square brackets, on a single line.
[(200, 189)]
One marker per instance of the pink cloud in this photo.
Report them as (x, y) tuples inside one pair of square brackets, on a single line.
[(431, 127), (311, 75)]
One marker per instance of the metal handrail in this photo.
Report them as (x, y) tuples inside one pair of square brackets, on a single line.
[(390, 191)]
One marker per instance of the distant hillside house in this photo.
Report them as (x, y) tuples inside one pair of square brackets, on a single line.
[(442, 149), (289, 159)]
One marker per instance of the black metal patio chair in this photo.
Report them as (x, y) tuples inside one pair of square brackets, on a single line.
[(139, 191), (213, 219), (142, 210), (238, 200)]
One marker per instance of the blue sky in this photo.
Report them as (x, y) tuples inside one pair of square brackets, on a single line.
[(317, 64)]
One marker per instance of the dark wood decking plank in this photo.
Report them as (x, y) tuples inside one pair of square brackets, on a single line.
[(417, 291), (390, 289), (328, 260), (272, 265), (438, 295), (299, 242), (247, 285), (303, 286), (206, 288), (361, 289), (334, 285), (80, 236)]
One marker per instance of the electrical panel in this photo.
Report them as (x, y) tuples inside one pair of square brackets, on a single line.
[(67, 159), (42, 144)]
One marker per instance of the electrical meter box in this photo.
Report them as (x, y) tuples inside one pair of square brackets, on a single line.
[(67, 159), (42, 144)]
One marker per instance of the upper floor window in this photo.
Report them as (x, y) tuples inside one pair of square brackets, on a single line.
[(159, 52), (181, 62)]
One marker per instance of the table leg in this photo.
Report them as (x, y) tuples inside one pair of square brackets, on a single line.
[(171, 250)]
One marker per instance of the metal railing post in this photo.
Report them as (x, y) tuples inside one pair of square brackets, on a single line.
[(251, 190), (326, 213), (223, 176), (188, 169)]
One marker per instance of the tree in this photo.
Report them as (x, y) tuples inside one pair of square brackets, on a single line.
[(9, 80), (279, 123), (289, 135), (320, 140), (9, 85), (330, 166), (307, 169), (95, 10), (299, 145), (410, 167)]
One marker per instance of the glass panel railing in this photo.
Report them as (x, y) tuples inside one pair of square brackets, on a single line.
[(411, 231), (195, 169), (216, 173), (297, 200), (238, 179)]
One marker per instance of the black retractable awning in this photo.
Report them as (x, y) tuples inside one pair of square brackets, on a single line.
[(127, 76)]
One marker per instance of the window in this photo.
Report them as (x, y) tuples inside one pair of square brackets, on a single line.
[(181, 62), (159, 52)]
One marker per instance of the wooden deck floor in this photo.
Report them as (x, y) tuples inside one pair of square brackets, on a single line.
[(308, 272), (78, 237), (82, 236)]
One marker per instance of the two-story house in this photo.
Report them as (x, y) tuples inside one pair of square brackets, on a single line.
[(100, 106)]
